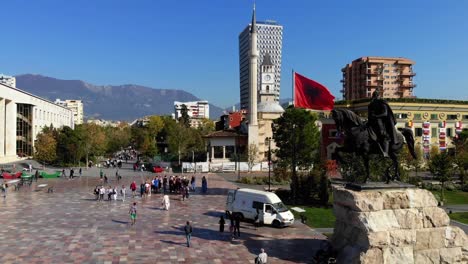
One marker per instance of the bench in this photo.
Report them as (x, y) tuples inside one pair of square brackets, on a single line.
[(301, 214)]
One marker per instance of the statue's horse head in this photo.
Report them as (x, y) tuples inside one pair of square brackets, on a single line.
[(345, 119)]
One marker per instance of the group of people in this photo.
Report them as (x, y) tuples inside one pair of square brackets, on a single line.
[(112, 193), (234, 227), (72, 173)]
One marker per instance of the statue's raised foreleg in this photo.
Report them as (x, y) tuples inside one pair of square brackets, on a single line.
[(396, 167)]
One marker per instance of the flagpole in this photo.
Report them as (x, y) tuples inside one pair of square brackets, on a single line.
[(292, 86)]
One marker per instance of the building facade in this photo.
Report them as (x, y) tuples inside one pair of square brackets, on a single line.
[(393, 77), (22, 117), (269, 41), (196, 110), (8, 80), (76, 106)]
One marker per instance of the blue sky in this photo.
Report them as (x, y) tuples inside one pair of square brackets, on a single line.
[(193, 44)]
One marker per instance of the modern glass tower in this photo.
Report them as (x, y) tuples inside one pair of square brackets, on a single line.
[(269, 40)]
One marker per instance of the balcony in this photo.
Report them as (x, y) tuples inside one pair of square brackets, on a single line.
[(409, 74), (407, 85), (372, 84), (342, 80), (375, 72)]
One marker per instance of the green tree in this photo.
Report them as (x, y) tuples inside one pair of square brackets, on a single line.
[(297, 138), (45, 147), (184, 118), (252, 153), (94, 140), (178, 139), (461, 155), (206, 127), (70, 145), (155, 125), (441, 167), (117, 138)]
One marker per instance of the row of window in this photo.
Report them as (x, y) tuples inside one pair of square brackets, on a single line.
[(418, 132)]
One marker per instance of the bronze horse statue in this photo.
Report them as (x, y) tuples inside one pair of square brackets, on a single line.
[(359, 139)]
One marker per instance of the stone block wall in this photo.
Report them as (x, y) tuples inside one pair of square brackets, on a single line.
[(394, 226)]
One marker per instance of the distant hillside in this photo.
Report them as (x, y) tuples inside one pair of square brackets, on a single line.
[(121, 102)]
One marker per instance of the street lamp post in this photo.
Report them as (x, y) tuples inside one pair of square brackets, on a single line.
[(294, 180), (269, 163), (238, 156), (193, 161)]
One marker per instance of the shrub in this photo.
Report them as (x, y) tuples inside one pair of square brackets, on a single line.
[(246, 180), (415, 180), (449, 186), (284, 195), (457, 186), (436, 187), (465, 188), (427, 185)]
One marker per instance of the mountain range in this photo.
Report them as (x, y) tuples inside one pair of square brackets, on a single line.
[(120, 102)]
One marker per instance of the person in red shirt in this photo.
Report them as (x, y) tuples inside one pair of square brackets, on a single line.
[(133, 188)]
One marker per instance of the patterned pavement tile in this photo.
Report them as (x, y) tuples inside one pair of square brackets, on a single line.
[(70, 226)]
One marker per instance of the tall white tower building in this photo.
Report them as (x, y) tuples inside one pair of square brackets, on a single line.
[(269, 41)]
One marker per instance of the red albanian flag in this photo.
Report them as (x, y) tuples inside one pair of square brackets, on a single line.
[(311, 94)]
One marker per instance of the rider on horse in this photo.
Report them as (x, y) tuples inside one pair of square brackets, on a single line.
[(382, 122)]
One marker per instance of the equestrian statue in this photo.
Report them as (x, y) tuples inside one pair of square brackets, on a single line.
[(376, 136)]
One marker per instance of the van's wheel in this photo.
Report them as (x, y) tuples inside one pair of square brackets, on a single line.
[(276, 224)]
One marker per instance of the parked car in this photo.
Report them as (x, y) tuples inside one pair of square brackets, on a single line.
[(158, 169)]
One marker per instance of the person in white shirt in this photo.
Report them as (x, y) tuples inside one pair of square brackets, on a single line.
[(262, 257), (166, 202), (123, 192)]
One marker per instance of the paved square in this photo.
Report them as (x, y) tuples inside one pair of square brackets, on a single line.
[(70, 226)]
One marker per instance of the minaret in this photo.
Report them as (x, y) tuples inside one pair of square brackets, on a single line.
[(253, 123)]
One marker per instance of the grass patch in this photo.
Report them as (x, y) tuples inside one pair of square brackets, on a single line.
[(317, 217), (453, 197), (460, 217)]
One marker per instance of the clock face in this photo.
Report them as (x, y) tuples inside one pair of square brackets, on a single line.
[(267, 77)]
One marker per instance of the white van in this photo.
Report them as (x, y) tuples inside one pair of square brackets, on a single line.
[(246, 203)]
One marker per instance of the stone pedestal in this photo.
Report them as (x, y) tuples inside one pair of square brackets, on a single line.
[(394, 226)]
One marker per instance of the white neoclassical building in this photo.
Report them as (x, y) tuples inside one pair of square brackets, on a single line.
[(22, 117)]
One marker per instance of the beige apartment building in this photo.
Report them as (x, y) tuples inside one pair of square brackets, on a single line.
[(76, 106), (393, 77)]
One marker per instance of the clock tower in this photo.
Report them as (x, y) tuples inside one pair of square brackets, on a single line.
[(267, 91)]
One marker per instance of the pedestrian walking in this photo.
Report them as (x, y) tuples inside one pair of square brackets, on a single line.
[(188, 232), (257, 220), (133, 213), (105, 179), (262, 258), (4, 189), (123, 193), (193, 182), (237, 224), (166, 202), (101, 173), (221, 224), (36, 175), (204, 185), (102, 191), (133, 188), (80, 172)]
